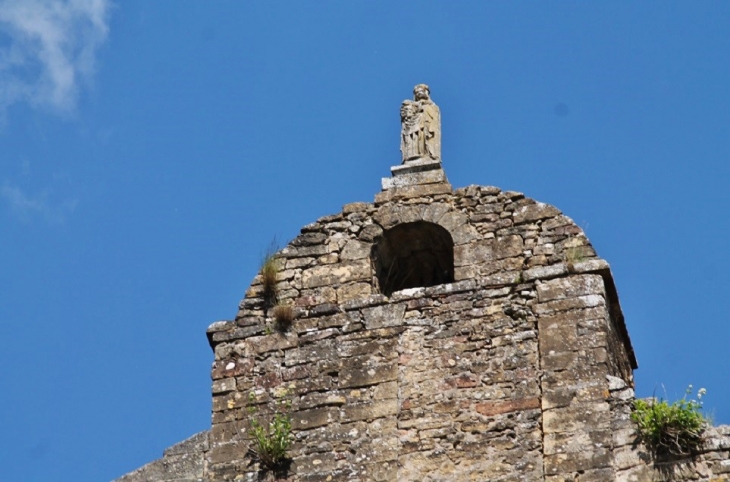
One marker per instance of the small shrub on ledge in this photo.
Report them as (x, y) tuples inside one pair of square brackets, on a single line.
[(272, 438), (671, 428)]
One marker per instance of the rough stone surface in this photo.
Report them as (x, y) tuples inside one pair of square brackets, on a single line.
[(516, 365), (183, 462), (519, 369)]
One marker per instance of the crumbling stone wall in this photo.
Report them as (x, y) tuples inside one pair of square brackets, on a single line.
[(183, 462), (518, 369), (633, 462), (479, 379)]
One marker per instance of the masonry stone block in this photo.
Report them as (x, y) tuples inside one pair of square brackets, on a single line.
[(578, 417), (355, 249), (358, 376), (532, 211), (383, 316), (485, 251), (570, 287), (319, 276)]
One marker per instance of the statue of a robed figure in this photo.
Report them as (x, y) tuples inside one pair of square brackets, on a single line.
[(420, 127)]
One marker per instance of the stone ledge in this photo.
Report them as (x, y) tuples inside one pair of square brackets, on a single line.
[(234, 334), (224, 325), (504, 278), (545, 272), (590, 266), (409, 294), (418, 165)]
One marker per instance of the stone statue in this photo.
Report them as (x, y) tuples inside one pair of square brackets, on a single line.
[(420, 127), (410, 119)]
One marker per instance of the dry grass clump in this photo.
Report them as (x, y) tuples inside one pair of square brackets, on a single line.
[(269, 270), (283, 316)]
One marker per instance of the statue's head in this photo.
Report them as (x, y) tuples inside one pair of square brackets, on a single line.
[(421, 92), (407, 110)]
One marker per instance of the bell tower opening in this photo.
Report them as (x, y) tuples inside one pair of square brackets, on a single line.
[(413, 255)]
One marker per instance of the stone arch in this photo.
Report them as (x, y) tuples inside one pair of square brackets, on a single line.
[(412, 255)]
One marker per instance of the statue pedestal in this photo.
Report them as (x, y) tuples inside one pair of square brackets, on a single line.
[(416, 165), (417, 171)]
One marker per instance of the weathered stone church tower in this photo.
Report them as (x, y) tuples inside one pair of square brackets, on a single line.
[(439, 334)]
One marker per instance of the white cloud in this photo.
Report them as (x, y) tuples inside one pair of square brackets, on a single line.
[(48, 50), (28, 207)]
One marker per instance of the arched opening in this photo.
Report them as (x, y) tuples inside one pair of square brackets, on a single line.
[(413, 255)]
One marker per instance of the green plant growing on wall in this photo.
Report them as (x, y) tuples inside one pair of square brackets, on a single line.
[(574, 255), (671, 428), (576, 250), (271, 438)]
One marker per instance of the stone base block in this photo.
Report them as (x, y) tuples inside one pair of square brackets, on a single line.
[(411, 179), (418, 190)]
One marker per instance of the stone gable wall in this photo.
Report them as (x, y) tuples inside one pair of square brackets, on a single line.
[(438, 383), (520, 369)]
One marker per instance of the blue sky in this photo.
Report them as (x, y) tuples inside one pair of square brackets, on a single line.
[(151, 151)]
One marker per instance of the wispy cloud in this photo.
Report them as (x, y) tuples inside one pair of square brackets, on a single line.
[(48, 50), (28, 207)]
